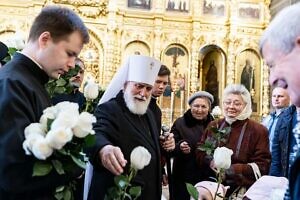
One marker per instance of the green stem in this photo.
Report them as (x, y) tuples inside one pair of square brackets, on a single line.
[(132, 173), (88, 105), (219, 175)]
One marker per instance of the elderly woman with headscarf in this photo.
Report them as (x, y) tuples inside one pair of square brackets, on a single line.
[(247, 139), (187, 132)]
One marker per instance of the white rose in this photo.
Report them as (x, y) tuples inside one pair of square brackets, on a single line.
[(57, 138), (30, 140), (41, 149), (84, 125), (48, 113), (34, 128), (140, 157), (65, 120), (91, 90), (216, 111), (222, 157), (67, 106)]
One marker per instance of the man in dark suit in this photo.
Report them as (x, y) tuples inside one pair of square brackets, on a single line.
[(55, 40), (123, 123), (167, 143)]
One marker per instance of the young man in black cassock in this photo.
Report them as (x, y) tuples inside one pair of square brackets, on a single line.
[(55, 40)]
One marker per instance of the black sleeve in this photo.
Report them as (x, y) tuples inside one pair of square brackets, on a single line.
[(17, 110)]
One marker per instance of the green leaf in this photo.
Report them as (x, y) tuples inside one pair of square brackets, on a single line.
[(61, 82), (78, 161), (68, 194), (135, 191), (72, 72), (63, 152), (49, 123), (60, 188), (121, 181), (128, 196), (214, 129), (41, 168), (89, 140), (59, 196), (58, 166), (192, 191), (59, 90)]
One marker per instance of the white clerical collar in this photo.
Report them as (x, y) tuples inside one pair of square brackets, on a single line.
[(40, 66)]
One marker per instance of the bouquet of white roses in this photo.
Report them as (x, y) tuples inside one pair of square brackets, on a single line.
[(57, 141)]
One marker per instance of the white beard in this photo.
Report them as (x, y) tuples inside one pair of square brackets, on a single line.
[(136, 107)]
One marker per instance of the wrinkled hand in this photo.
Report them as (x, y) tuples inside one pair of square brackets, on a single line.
[(185, 147), (112, 159), (168, 142)]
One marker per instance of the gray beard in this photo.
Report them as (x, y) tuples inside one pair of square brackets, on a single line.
[(136, 107), (75, 85)]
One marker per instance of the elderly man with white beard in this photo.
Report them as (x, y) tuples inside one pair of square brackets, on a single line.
[(123, 123)]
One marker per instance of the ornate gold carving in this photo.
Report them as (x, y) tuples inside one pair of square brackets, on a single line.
[(115, 27), (87, 8)]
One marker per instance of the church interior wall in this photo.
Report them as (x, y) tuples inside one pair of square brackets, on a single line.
[(124, 27)]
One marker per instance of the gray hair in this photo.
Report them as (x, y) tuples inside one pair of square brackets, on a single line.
[(283, 29), (201, 94), (238, 89)]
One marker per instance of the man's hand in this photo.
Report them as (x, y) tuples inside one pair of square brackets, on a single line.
[(168, 142), (112, 159), (185, 147)]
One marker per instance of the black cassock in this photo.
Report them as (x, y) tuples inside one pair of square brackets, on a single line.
[(22, 100), (116, 125)]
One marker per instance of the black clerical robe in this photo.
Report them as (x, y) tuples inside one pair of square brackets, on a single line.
[(22, 100), (116, 125)]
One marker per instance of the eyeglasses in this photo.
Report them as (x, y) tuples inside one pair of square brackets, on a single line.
[(236, 104)]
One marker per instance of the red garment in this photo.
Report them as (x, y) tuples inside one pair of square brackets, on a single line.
[(254, 148)]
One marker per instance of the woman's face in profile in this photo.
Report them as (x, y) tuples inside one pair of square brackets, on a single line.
[(233, 105)]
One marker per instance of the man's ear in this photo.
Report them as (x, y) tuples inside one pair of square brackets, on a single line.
[(44, 38)]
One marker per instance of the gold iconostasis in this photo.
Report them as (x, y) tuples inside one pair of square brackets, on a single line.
[(206, 44)]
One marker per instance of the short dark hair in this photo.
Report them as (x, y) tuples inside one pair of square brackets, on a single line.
[(60, 22), (164, 71)]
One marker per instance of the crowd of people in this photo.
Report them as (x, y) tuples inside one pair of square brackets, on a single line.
[(128, 116)]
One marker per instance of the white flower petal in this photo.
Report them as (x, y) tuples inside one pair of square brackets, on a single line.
[(57, 138), (140, 157), (91, 90), (34, 128), (222, 157), (41, 149)]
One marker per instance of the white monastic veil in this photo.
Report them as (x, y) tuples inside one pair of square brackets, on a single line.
[(111, 91)]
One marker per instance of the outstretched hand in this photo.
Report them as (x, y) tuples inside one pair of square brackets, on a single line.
[(112, 159)]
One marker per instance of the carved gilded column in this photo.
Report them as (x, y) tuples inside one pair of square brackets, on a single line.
[(230, 78), (266, 92), (111, 50), (193, 87), (157, 43)]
